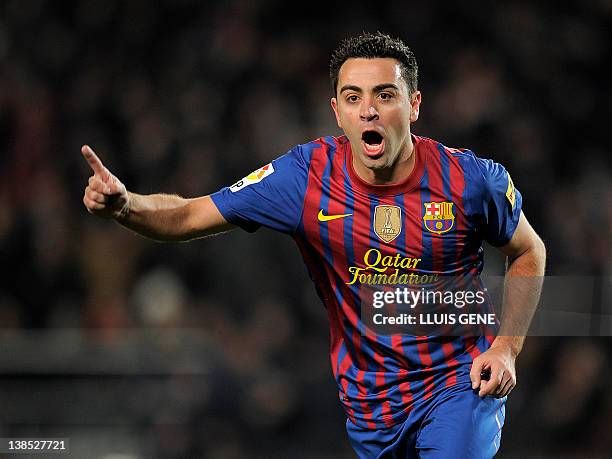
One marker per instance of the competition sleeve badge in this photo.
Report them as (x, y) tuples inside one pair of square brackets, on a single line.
[(510, 194), (254, 177), (387, 222), (438, 217)]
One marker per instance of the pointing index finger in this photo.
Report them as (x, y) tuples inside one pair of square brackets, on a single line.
[(93, 160)]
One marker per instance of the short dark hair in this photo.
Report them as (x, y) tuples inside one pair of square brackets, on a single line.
[(369, 46)]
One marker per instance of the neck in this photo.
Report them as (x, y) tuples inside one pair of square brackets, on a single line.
[(396, 172)]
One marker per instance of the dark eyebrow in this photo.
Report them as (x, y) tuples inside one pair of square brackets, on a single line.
[(383, 86), (350, 88), (377, 88)]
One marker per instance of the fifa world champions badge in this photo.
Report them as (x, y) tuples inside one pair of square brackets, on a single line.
[(438, 217), (387, 222)]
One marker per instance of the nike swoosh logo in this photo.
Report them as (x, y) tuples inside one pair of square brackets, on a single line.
[(326, 218)]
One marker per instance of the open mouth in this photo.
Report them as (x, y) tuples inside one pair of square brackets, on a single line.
[(373, 143)]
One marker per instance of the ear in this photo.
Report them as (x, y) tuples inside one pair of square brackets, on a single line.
[(415, 104), (334, 105)]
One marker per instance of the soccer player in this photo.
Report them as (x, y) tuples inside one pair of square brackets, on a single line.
[(378, 192)]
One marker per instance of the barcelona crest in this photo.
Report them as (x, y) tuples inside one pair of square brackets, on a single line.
[(438, 217)]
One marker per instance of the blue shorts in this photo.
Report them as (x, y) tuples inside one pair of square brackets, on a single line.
[(454, 422)]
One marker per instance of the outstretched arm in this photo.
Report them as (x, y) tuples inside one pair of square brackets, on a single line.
[(158, 216), (522, 287)]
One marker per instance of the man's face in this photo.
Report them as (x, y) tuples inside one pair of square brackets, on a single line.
[(374, 109)]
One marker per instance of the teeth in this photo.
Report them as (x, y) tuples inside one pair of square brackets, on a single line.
[(373, 149)]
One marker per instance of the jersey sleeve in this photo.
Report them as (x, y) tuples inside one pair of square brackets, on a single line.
[(501, 203), (272, 196)]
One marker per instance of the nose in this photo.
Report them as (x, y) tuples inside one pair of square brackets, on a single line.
[(368, 113)]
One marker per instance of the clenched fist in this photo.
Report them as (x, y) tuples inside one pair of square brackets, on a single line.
[(500, 361), (105, 195)]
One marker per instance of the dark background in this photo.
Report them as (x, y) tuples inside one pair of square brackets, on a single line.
[(219, 348)]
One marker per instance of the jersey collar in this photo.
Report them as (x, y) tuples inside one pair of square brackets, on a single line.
[(392, 189)]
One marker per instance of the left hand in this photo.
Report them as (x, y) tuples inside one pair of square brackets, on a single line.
[(500, 361)]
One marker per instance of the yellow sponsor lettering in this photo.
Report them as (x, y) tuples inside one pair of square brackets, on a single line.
[(374, 260), (373, 264)]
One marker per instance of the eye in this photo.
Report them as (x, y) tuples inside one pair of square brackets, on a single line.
[(385, 96), (352, 98)]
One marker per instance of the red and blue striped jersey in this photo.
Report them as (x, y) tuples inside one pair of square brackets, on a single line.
[(314, 194)]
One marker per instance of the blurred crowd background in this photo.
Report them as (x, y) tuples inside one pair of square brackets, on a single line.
[(218, 348)]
